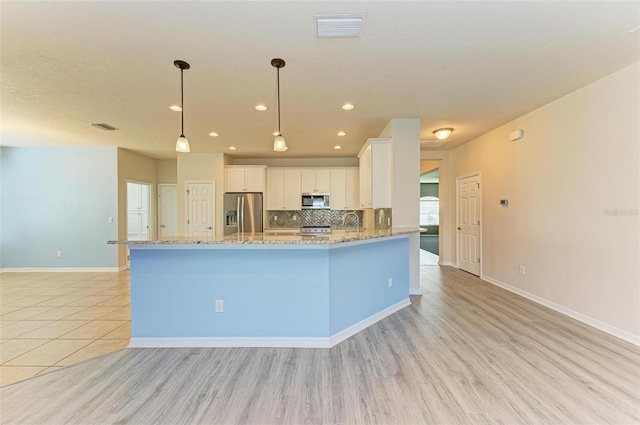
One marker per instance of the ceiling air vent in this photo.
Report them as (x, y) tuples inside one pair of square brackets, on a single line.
[(338, 25), (103, 126)]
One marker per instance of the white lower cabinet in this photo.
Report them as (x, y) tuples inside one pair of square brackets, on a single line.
[(284, 187)]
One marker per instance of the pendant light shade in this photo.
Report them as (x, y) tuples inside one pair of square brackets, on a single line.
[(182, 144), (279, 144)]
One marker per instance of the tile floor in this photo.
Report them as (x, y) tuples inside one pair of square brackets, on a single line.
[(52, 320)]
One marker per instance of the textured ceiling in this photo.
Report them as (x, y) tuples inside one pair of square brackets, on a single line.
[(468, 65)]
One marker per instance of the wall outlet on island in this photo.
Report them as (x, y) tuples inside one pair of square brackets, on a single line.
[(59, 254), (219, 306), (390, 282)]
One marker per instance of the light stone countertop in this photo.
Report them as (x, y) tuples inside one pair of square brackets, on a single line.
[(336, 237)]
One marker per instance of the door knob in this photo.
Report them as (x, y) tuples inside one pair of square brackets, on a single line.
[(209, 228), (162, 225), (459, 228)]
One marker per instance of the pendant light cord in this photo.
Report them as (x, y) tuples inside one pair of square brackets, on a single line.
[(182, 100), (278, 84)]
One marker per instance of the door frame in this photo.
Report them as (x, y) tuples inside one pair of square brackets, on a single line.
[(464, 176), (152, 212), (186, 204)]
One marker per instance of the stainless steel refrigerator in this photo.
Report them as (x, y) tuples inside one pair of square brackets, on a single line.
[(242, 213)]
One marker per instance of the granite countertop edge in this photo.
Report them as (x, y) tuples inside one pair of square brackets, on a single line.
[(270, 238)]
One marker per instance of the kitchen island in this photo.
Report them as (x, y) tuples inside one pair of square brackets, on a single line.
[(274, 290)]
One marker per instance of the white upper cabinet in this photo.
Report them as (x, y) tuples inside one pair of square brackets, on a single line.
[(244, 178), (316, 180), (344, 189), (284, 189), (375, 174)]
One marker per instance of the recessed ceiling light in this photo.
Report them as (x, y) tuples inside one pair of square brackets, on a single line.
[(261, 108), (232, 148), (348, 106), (176, 108), (342, 133), (213, 134), (337, 147)]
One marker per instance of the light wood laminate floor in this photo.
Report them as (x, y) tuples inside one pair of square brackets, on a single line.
[(465, 352)]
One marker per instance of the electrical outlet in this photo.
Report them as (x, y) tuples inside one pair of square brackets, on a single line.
[(110, 220), (219, 306), (275, 218), (390, 282), (59, 254), (522, 270), (295, 217)]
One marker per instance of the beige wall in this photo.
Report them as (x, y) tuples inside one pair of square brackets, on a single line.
[(167, 170), (138, 168), (426, 166), (201, 167), (577, 162)]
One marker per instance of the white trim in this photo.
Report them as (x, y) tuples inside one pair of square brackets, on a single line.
[(605, 327), (203, 342), (283, 342), (415, 291), (60, 269)]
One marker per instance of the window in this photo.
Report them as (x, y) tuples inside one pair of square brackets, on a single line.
[(429, 211)]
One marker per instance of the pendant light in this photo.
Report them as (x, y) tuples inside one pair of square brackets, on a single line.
[(182, 145), (279, 144)]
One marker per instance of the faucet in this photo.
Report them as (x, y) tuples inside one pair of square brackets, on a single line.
[(353, 213)]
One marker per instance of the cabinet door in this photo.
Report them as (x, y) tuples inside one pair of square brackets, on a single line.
[(275, 190), (352, 189), (323, 181), (365, 179), (253, 180), (308, 181), (234, 180), (338, 190), (292, 190)]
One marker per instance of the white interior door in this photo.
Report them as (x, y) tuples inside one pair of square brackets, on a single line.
[(167, 210), (200, 209), (138, 211), (469, 224)]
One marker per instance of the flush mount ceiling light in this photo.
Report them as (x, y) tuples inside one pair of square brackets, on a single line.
[(279, 144), (348, 106), (182, 144), (103, 126), (338, 25), (261, 108), (443, 133), (176, 108), (341, 133)]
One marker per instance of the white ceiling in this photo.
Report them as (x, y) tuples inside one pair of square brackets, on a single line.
[(468, 65)]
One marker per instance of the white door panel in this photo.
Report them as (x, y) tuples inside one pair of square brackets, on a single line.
[(200, 210), (167, 210), (469, 224)]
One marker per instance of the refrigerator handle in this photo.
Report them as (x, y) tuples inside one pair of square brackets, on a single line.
[(242, 215), (238, 214)]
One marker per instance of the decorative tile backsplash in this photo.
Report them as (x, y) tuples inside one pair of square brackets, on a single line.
[(292, 219)]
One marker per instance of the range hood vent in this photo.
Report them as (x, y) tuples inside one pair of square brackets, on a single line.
[(338, 25), (103, 126)]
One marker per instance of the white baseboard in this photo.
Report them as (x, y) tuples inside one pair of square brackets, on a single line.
[(284, 342), (59, 269), (363, 324), (415, 291), (208, 342), (605, 327)]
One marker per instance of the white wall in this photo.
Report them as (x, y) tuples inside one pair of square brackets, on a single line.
[(201, 167), (405, 190), (578, 162)]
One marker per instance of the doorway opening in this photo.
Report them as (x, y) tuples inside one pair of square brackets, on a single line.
[(138, 211), (429, 213)]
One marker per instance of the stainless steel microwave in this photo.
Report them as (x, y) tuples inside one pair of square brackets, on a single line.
[(315, 201)]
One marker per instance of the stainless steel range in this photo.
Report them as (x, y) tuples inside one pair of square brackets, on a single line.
[(315, 230)]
